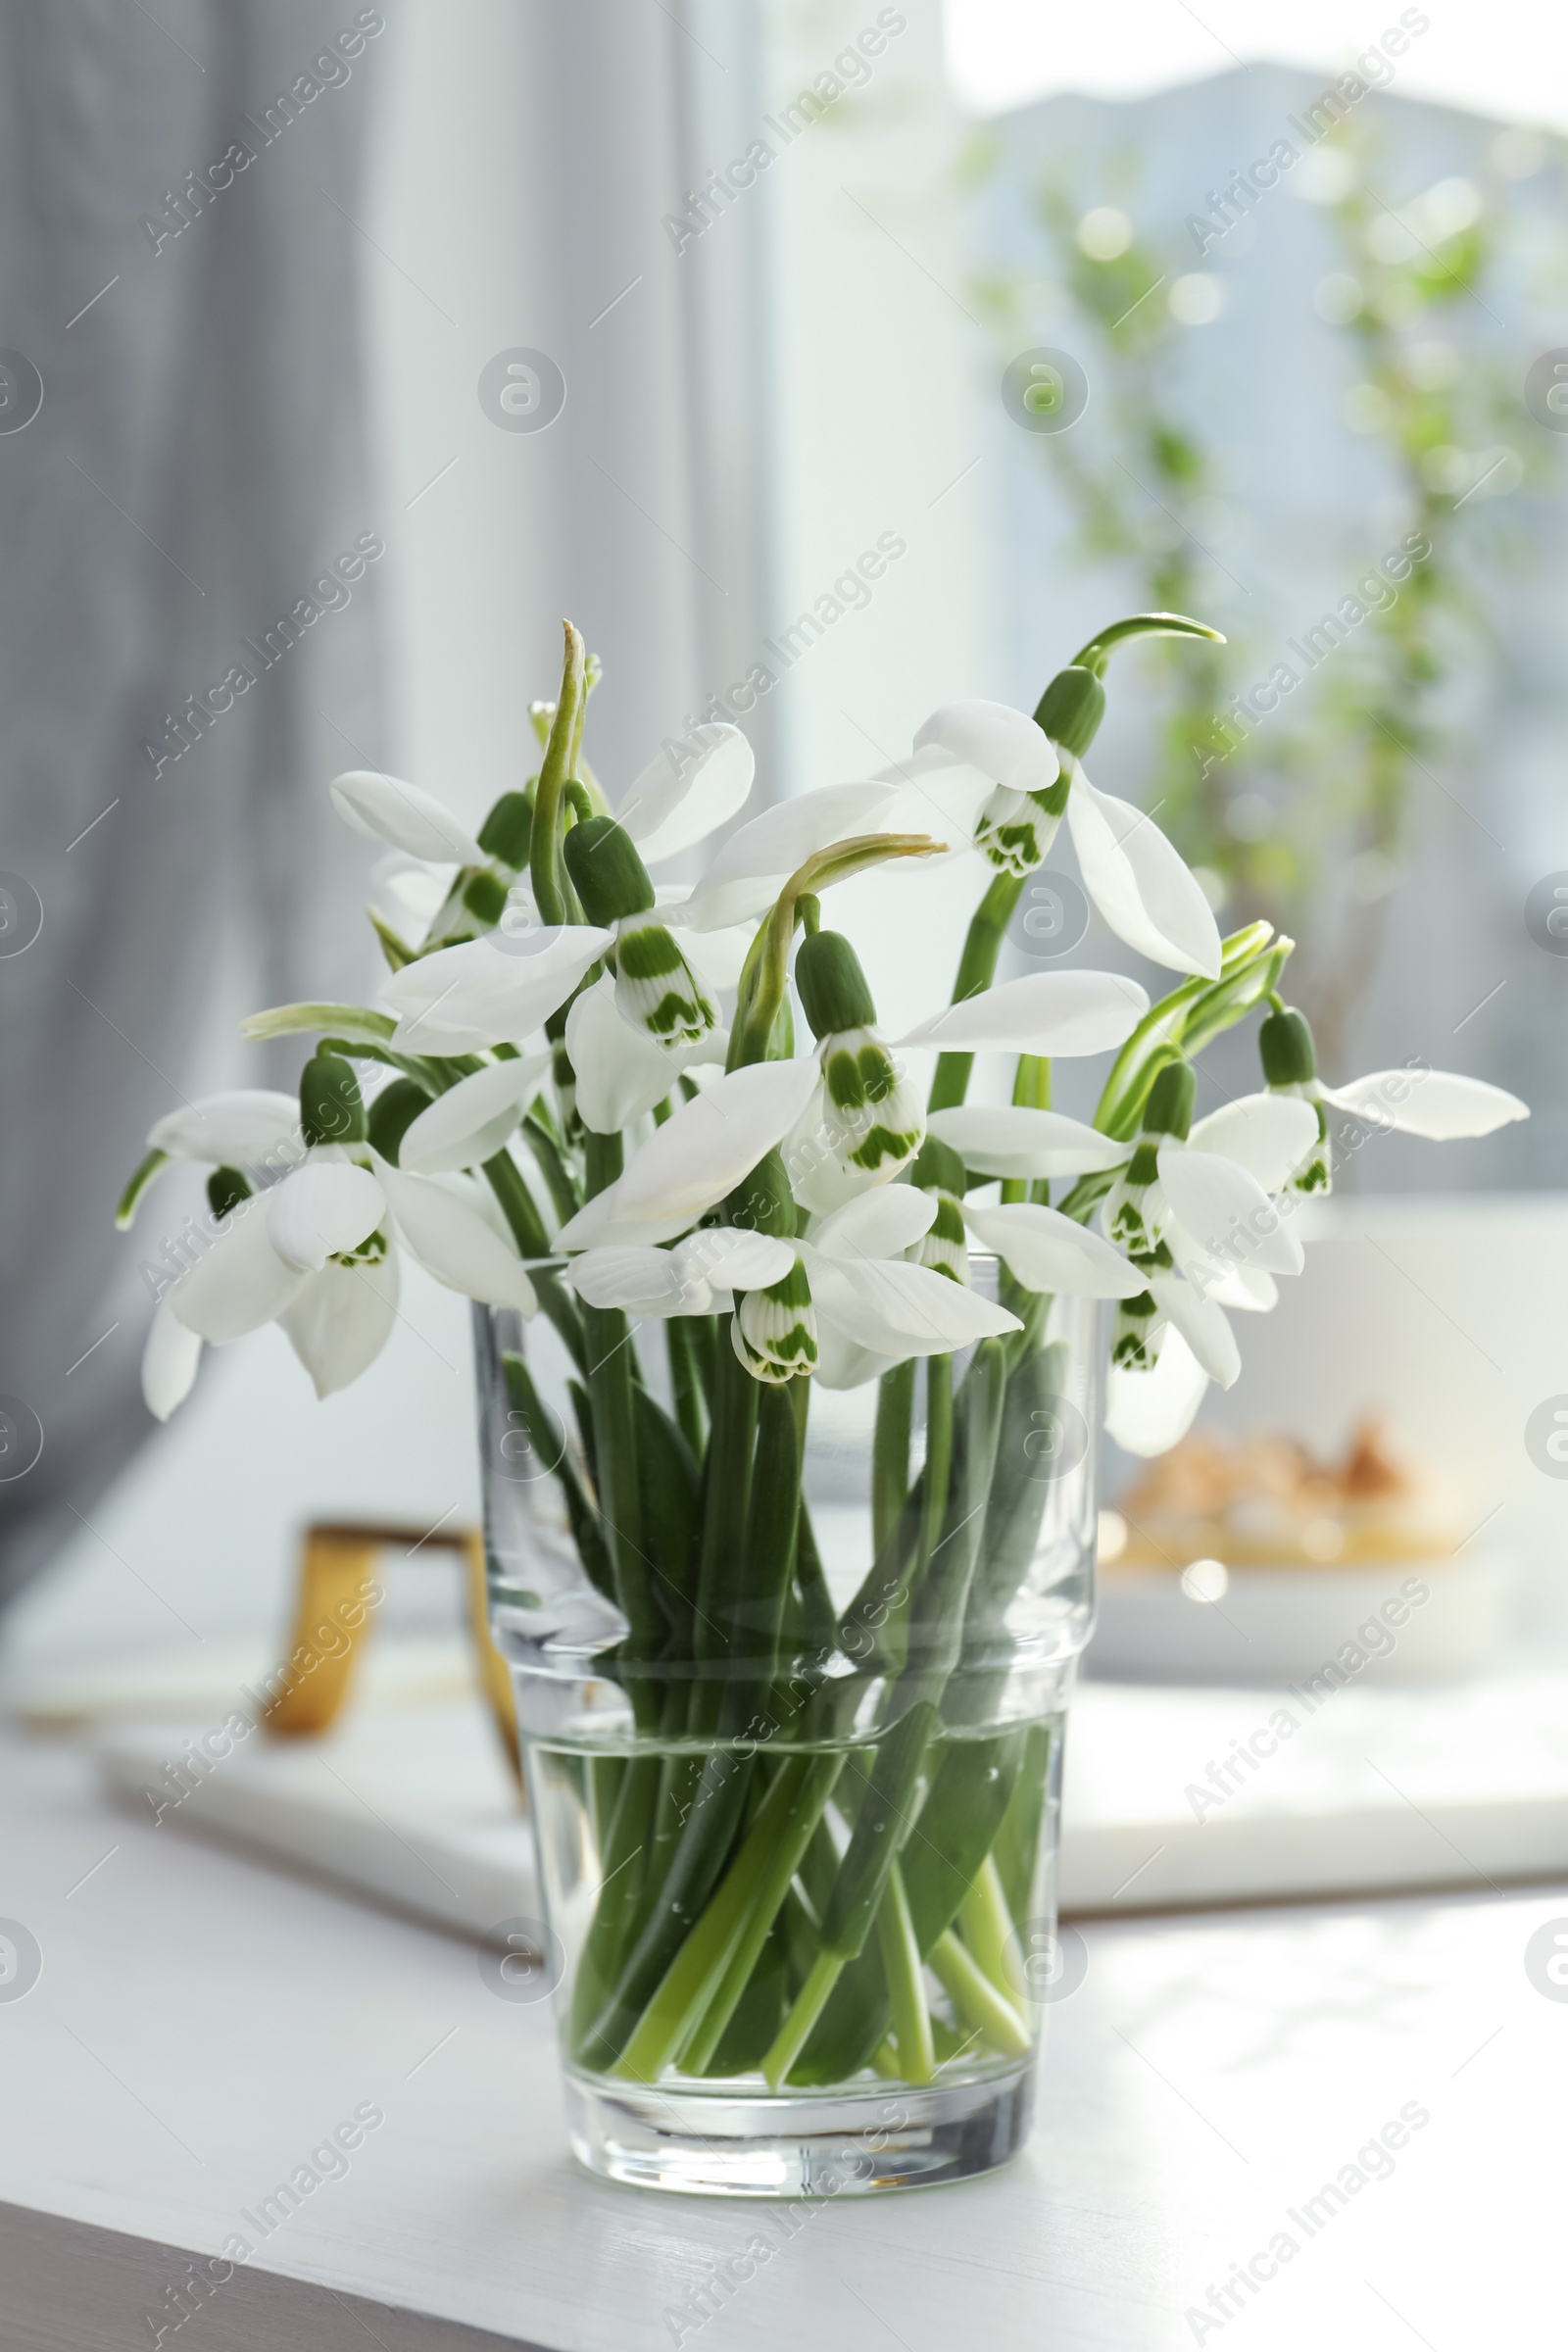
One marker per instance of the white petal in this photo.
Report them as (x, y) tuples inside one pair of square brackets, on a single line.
[(729, 1260), (841, 1363), (454, 1241), (746, 874), (709, 1051), (1043, 1012), (168, 1362), (1225, 1212), (898, 1309), (323, 1208), (491, 993), (1142, 888), (1203, 1325), (718, 958), (621, 1073), (936, 793), (877, 1224), (819, 1178), (237, 1285), (409, 818), (699, 1154), (245, 1129), (342, 1319), (1003, 744), (1047, 1251), (472, 1121), (641, 1281), (1011, 1140), (681, 799), (1267, 1135), (408, 893), (1147, 1412), (1438, 1104)]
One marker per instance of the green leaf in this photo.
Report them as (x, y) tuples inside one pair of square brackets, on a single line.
[(354, 1022), (397, 950), (131, 1198)]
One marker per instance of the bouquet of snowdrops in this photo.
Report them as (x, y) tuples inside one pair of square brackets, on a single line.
[(591, 1102)]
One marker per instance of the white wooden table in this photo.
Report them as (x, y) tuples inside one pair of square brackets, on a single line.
[(202, 2023)]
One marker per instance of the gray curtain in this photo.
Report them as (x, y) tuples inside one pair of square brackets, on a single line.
[(196, 467), (645, 512), (200, 460)]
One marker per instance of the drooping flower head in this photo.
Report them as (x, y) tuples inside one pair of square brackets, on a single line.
[(940, 1172), (1290, 1068), (1441, 1107), (871, 1121)]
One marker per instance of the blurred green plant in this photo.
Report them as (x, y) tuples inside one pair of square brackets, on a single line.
[(1305, 812)]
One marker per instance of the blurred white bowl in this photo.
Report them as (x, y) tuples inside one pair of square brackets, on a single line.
[(1291, 1625)]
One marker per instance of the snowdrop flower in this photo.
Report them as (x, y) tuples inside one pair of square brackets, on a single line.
[(314, 1251), (445, 882), (700, 1154), (696, 784), (1438, 1104), (500, 989), (1194, 1211), (1040, 1249), (867, 1121), (1140, 884), (843, 1303)]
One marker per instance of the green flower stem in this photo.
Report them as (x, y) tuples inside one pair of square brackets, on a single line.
[(1014, 1509), (546, 1434), (977, 968), (710, 1822), (750, 1612), (937, 1610), (1093, 656), (623, 1856), (607, 1343), (938, 1457), (901, 1958), (881, 1820), (721, 1562), (810, 1790), (817, 1601), (518, 1205), (685, 1382), (988, 1931), (971, 1797), (703, 1794), (808, 2005), (1173, 1025), (1031, 1088), (559, 1179), (762, 993), (935, 1623), (693, 1975), (977, 1998), (505, 1179), (543, 856), (1015, 1847), (889, 1454)]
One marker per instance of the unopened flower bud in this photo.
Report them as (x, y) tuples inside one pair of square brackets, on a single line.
[(332, 1106)]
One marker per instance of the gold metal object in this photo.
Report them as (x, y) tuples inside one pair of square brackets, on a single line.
[(338, 1596)]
